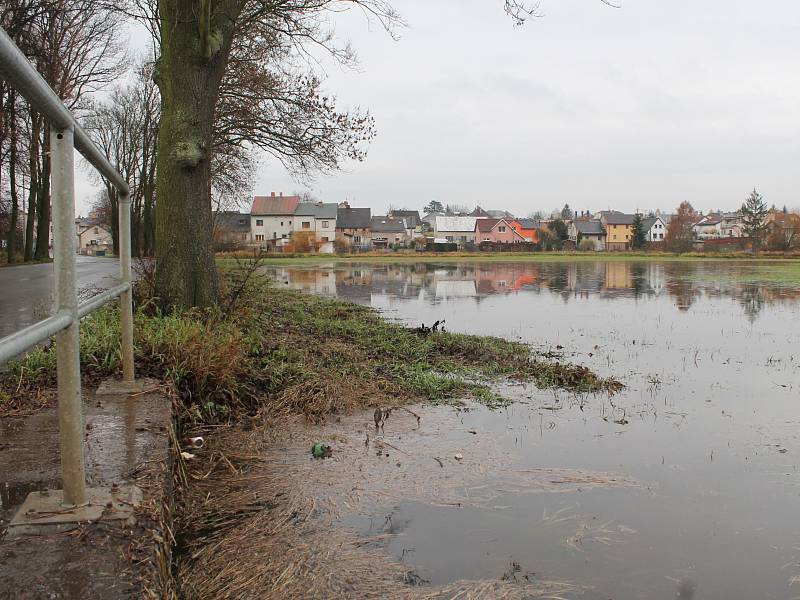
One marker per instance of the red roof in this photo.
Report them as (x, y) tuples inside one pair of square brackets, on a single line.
[(486, 225), (274, 205)]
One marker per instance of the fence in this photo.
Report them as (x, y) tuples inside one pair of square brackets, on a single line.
[(65, 136)]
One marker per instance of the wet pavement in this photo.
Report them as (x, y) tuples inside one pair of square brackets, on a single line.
[(124, 438), (709, 425), (26, 295)]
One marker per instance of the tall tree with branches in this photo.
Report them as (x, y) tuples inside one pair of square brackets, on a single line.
[(754, 218)]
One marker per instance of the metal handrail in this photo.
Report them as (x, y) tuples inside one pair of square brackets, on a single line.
[(65, 136)]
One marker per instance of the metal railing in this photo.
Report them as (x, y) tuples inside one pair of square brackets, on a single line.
[(66, 135)]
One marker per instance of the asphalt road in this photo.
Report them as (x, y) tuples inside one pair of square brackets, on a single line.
[(26, 291)]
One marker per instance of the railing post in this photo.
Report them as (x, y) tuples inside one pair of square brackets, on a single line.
[(126, 298), (70, 408)]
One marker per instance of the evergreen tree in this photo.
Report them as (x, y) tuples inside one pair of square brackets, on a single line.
[(434, 206), (754, 214), (639, 239)]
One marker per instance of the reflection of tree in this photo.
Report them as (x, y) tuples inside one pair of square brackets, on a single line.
[(679, 284), (639, 283), (752, 300)]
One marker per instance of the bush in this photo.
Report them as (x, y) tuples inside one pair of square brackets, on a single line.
[(587, 245)]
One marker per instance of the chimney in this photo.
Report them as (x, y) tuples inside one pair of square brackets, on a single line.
[(273, 194)]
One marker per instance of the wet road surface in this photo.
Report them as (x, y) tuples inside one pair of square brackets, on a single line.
[(26, 290)]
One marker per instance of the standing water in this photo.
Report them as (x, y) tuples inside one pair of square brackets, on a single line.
[(707, 424)]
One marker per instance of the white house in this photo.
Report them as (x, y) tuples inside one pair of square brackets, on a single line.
[(271, 219), (460, 230), (95, 239), (709, 227), (655, 229), (319, 219)]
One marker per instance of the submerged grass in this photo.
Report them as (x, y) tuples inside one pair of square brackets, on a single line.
[(281, 351)]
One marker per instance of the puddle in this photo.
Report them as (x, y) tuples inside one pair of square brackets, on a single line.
[(704, 438)]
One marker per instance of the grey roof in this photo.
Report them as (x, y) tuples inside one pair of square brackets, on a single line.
[(617, 218), (382, 224), (500, 214), (232, 220), (648, 222), (353, 218), (528, 223), (317, 210), (593, 227), (411, 216)]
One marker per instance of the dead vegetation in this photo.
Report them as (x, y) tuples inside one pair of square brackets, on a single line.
[(261, 516)]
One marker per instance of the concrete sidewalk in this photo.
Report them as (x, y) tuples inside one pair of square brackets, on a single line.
[(128, 439)]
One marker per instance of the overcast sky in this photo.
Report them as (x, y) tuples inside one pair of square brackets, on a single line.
[(640, 107)]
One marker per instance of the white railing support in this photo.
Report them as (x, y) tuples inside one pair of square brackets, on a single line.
[(126, 298), (70, 409)]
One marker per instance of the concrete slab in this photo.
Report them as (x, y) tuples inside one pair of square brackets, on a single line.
[(45, 510), (127, 442), (116, 387)]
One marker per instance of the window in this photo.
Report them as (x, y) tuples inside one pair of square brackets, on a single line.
[(259, 237), (96, 230), (259, 222), (324, 239), (306, 225), (242, 221), (283, 237), (281, 223), (502, 229), (325, 224)]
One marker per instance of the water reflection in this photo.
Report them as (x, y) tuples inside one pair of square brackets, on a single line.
[(684, 282)]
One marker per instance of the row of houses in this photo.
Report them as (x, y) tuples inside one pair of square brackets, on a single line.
[(278, 222)]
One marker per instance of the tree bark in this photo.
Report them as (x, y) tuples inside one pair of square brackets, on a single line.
[(12, 179), (194, 55), (43, 208), (34, 185)]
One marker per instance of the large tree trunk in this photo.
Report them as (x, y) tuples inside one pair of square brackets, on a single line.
[(43, 224), (193, 59)]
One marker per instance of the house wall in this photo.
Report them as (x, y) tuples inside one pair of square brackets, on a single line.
[(618, 237), (94, 238), (459, 237), (272, 228), (658, 232), (354, 236), (530, 235), (502, 233)]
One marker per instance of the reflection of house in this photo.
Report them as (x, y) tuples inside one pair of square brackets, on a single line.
[(655, 229), (387, 232), (271, 219), (317, 222), (460, 230), (619, 229), (95, 240), (497, 231), (353, 226), (592, 230), (231, 230), (527, 228)]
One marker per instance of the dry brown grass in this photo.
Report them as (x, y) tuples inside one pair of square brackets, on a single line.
[(261, 516)]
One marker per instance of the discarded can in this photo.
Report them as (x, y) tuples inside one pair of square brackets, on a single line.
[(195, 442), (321, 450)]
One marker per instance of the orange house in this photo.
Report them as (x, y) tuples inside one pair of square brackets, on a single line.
[(527, 228)]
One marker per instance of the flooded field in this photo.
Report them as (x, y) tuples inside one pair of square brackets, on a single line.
[(705, 436)]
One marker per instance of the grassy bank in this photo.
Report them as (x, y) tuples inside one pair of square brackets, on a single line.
[(275, 350), (489, 257)]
